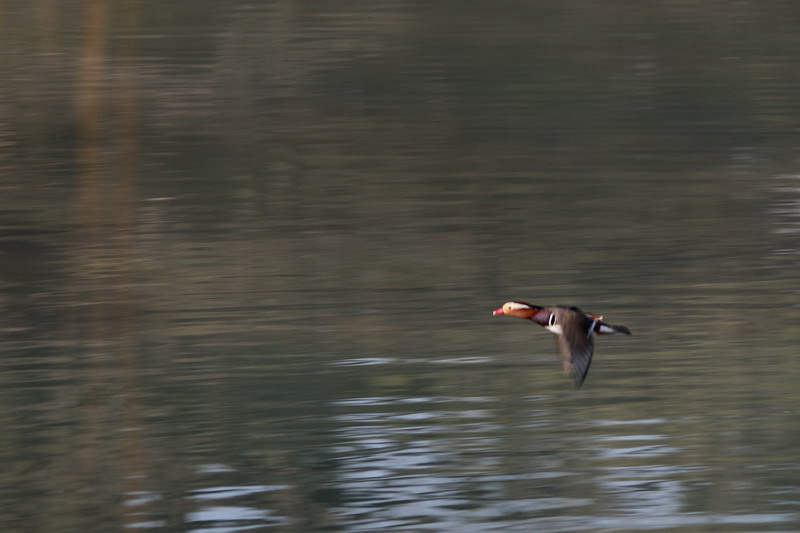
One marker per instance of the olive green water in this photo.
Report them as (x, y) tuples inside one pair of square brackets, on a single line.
[(249, 253)]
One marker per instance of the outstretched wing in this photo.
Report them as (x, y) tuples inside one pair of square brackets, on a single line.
[(575, 344)]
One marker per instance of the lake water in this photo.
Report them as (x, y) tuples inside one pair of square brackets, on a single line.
[(249, 253)]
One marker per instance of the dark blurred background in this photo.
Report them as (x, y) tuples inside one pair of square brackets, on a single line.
[(249, 253)]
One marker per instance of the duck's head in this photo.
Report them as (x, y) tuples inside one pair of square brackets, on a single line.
[(519, 310)]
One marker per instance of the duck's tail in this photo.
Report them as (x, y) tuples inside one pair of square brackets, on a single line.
[(608, 329)]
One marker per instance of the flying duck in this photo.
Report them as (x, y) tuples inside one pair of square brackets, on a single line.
[(574, 331)]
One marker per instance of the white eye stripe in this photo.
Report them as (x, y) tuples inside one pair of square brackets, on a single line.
[(515, 305)]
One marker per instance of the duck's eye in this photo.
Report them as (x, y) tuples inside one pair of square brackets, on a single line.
[(552, 320)]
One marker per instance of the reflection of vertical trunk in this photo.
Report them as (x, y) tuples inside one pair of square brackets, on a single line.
[(107, 159), (89, 112), (89, 115)]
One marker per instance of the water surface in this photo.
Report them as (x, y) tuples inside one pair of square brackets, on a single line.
[(249, 254)]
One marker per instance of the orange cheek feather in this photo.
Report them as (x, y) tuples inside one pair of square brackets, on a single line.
[(522, 313)]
